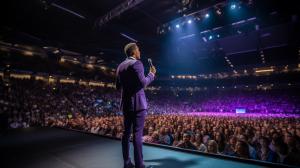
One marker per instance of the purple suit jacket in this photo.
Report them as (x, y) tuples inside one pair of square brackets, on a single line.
[(131, 81)]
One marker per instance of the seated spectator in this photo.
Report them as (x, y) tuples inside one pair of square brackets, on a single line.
[(186, 143), (177, 138), (264, 152), (198, 140), (164, 137), (230, 146), (154, 138), (148, 137), (203, 146), (241, 149), (212, 147), (252, 151), (220, 139)]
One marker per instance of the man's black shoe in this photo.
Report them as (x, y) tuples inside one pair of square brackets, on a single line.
[(130, 165)]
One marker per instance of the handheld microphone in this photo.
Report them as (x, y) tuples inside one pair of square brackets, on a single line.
[(150, 62)]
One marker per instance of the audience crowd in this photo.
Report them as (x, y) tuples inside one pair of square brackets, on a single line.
[(170, 119)]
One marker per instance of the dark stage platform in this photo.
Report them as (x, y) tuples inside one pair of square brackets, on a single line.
[(58, 148)]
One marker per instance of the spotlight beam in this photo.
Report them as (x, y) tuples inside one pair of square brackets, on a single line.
[(116, 11), (67, 10), (128, 37)]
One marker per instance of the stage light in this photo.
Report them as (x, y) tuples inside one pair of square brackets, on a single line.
[(218, 36), (232, 6), (189, 21), (219, 12), (207, 15), (210, 37), (177, 26)]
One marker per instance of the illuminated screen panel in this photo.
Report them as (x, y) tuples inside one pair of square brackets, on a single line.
[(240, 110)]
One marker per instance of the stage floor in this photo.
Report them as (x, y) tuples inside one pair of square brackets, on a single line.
[(58, 148)]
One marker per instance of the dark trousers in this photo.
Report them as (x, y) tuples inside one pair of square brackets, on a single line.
[(134, 120)]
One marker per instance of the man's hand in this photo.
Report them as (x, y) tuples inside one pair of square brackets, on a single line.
[(152, 69)]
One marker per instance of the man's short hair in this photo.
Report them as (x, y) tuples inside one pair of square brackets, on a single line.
[(129, 48), (187, 135)]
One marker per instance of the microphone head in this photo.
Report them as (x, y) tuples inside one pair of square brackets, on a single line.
[(150, 61)]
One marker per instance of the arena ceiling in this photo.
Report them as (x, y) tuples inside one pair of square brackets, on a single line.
[(40, 23)]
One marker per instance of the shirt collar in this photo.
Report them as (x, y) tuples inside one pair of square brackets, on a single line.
[(132, 58)]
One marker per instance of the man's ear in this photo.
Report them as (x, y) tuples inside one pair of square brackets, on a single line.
[(134, 52)]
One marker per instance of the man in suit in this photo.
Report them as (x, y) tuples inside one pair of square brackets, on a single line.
[(131, 81)]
